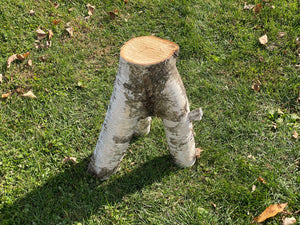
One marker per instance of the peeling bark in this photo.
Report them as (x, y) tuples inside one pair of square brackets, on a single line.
[(147, 84)]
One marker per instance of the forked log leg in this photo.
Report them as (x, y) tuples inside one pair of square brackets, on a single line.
[(178, 127), (147, 84)]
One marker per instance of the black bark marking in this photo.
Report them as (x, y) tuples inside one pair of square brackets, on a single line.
[(121, 139)]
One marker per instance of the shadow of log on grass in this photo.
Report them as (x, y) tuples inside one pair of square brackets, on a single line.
[(73, 195)]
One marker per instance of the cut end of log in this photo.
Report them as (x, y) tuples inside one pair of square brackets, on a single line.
[(148, 50)]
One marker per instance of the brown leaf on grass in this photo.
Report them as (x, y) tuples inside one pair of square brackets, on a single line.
[(263, 39), (70, 31), (90, 9), (248, 7), (28, 94), (281, 34), (31, 12), (50, 34), (198, 152), (289, 221), (261, 59), (113, 14), (257, 8), (6, 95), (269, 212), (69, 159), (41, 34), (22, 56), (256, 86), (126, 1), (251, 157), (262, 180), (11, 59), (55, 22), (295, 134), (20, 90)]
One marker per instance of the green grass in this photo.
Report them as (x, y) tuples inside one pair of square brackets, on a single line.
[(220, 58)]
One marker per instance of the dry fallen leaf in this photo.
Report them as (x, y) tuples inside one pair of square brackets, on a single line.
[(257, 8), (253, 188), (256, 86), (70, 31), (23, 56), (69, 159), (261, 59), (31, 13), (112, 15), (281, 34), (41, 34), (289, 221), (262, 180), (263, 39), (6, 95), (248, 7), (29, 94), (198, 152), (71, 9), (55, 22), (11, 59), (50, 34), (1, 78), (251, 157), (90, 9), (20, 90), (269, 212), (295, 135)]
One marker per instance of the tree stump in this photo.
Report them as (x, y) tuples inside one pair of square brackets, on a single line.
[(147, 84)]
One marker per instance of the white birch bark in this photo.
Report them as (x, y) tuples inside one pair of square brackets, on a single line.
[(146, 86)]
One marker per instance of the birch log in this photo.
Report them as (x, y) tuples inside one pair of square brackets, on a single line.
[(147, 84)]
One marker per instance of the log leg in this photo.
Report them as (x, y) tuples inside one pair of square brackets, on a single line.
[(178, 127), (117, 130)]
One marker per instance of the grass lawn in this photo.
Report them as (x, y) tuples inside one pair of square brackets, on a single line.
[(249, 93)]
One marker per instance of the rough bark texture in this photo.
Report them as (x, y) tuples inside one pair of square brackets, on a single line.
[(141, 91)]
